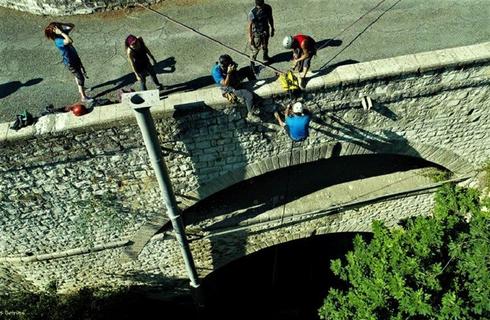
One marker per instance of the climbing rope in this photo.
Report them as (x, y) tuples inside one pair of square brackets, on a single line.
[(367, 27), (286, 195), (212, 39), (348, 27)]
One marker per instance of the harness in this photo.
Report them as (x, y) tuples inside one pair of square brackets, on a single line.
[(260, 21)]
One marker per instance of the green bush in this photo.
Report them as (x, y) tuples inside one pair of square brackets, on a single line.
[(428, 268), (86, 303)]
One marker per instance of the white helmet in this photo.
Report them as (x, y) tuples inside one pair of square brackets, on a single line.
[(287, 42), (298, 107)]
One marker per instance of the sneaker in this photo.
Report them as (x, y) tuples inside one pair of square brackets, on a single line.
[(87, 99)]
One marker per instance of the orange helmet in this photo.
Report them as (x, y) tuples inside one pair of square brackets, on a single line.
[(78, 109)]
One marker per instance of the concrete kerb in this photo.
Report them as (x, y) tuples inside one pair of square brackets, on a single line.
[(106, 116)]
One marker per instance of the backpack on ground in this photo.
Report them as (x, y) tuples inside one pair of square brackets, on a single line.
[(22, 120), (289, 81)]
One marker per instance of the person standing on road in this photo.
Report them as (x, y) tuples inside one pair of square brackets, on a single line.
[(259, 20), (297, 121), (138, 54), (58, 32), (228, 78), (304, 48)]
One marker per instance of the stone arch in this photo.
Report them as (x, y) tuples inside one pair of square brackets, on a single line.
[(445, 158)]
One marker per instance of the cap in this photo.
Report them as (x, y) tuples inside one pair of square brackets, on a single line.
[(298, 107), (130, 39)]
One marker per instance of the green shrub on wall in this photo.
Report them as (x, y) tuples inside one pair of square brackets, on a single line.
[(429, 268), (100, 214)]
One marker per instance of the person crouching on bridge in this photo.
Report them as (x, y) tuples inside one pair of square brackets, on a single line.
[(228, 78), (138, 54), (58, 32), (259, 20), (304, 48), (297, 121)]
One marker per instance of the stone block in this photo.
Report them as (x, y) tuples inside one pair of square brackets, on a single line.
[(276, 88), (325, 151), (447, 58), (269, 166), (428, 61), (295, 158), (481, 51), (302, 156), (275, 162), (124, 114), (366, 71), (248, 172), (315, 82), (347, 149), (348, 74), (4, 128), (463, 55), (283, 160), (263, 89), (309, 154), (21, 134), (331, 79), (386, 68), (407, 63), (213, 98), (316, 153)]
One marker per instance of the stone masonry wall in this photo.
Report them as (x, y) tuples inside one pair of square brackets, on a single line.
[(72, 7), (72, 183)]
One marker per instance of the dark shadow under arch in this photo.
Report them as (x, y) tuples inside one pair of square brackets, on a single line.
[(286, 281), (391, 145)]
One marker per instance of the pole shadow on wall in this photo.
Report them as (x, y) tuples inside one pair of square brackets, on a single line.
[(190, 85), (213, 140), (339, 129)]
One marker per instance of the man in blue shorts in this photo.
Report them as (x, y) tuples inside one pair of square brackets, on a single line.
[(296, 122)]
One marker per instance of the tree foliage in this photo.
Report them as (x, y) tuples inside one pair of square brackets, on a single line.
[(428, 268)]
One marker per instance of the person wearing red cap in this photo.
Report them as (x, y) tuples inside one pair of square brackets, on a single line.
[(138, 56)]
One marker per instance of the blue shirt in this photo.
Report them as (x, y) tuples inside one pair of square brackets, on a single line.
[(218, 74), (298, 126), (68, 52)]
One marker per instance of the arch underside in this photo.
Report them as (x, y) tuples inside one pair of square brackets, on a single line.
[(442, 157)]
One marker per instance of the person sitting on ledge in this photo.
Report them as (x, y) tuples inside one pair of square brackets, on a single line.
[(228, 78)]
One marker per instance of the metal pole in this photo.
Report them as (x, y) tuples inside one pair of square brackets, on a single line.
[(150, 137)]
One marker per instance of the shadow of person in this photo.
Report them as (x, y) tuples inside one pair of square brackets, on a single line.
[(325, 70), (328, 43), (281, 57), (164, 66), (8, 88), (384, 111), (191, 85)]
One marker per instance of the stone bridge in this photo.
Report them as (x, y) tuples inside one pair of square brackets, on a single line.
[(81, 206)]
